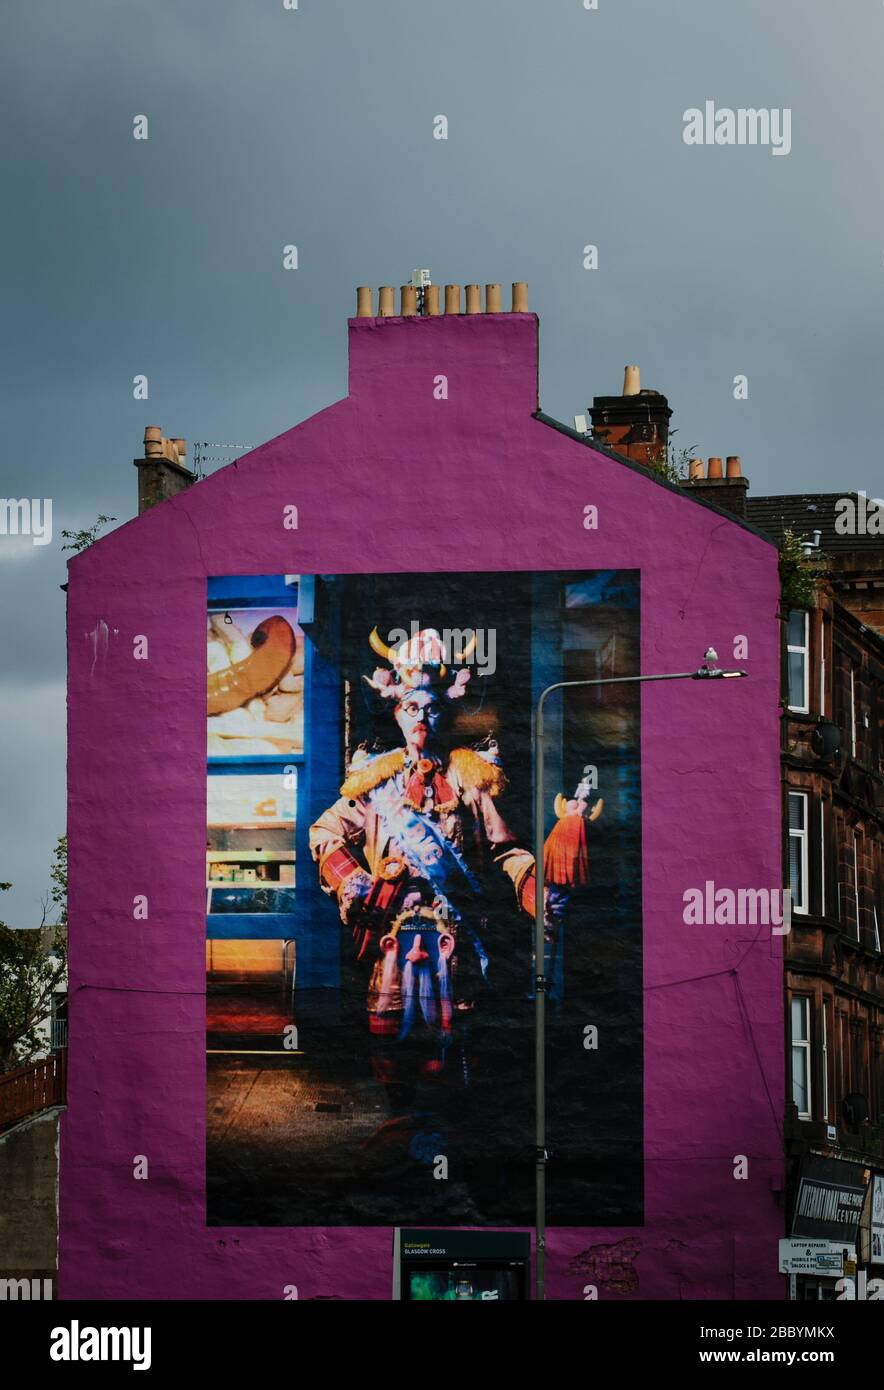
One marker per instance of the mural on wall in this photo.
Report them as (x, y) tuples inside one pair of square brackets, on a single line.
[(255, 662), (371, 899)]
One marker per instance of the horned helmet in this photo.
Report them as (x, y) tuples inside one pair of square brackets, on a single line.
[(420, 662)]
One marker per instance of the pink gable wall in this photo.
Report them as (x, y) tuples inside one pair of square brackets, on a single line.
[(506, 492)]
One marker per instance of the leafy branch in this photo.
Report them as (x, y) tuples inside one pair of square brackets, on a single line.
[(800, 571), (79, 540), (671, 463)]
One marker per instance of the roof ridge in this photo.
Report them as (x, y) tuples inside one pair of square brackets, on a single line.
[(652, 475)]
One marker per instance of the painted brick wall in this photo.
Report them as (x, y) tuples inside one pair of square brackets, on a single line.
[(506, 491)]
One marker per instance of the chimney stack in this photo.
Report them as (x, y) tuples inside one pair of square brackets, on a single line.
[(728, 492), (429, 307), (162, 472), (635, 424)]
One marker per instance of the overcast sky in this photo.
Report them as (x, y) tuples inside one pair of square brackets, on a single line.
[(314, 127)]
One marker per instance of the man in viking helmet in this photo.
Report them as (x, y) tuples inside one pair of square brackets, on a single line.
[(410, 851)]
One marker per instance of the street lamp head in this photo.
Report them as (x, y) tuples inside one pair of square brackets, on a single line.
[(709, 671)]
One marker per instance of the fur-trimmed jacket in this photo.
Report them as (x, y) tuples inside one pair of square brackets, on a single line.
[(357, 833)]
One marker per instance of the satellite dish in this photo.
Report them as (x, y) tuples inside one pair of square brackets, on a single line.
[(826, 741)]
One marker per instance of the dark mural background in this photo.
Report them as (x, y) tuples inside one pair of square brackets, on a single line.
[(309, 1136)]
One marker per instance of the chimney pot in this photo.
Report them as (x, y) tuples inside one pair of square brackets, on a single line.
[(631, 381), (162, 472), (408, 297), (727, 493), (634, 424), (363, 302), (452, 299), (431, 300), (520, 296), (474, 299), (386, 302), (492, 299)]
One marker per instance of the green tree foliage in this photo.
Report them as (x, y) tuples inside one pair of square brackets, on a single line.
[(800, 573), (672, 463), (78, 540), (58, 893), (33, 965)]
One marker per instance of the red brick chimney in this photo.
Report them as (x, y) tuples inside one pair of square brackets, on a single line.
[(728, 491), (635, 424)]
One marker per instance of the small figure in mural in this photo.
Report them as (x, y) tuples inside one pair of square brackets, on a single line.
[(414, 851)]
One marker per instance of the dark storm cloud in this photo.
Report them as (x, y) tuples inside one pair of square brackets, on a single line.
[(314, 127)]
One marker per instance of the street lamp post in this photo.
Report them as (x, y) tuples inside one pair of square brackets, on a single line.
[(541, 983)]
